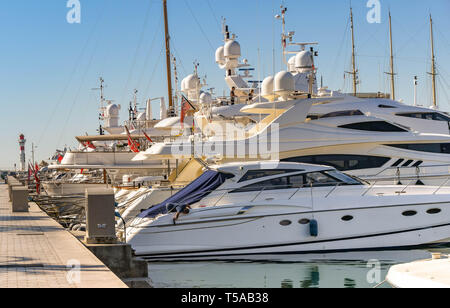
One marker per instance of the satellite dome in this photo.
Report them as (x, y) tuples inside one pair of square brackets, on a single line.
[(141, 117), (191, 82), (304, 60), (267, 86), (112, 110), (232, 50), (205, 98), (220, 55), (183, 86), (284, 83), (291, 64)]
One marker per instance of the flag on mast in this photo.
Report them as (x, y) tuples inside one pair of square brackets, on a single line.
[(134, 146), (186, 105)]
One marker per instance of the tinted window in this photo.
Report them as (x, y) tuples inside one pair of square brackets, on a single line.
[(425, 147), (319, 179), (257, 174), (342, 162), (343, 114), (386, 106), (426, 116), (375, 126), (343, 178), (274, 184)]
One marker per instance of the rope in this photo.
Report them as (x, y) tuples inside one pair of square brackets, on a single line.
[(380, 284)]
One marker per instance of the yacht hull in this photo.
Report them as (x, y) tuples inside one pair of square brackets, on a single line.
[(378, 228)]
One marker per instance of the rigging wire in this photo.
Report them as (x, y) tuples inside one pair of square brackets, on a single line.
[(343, 40), (147, 89), (72, 74), (147, 57), (214, 15), (138, 47), (83, 78), (199, 25), (77, 94)]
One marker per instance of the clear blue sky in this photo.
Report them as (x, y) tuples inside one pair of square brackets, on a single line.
[(48, 66)]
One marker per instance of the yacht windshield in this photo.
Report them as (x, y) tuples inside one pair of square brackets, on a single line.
[(194, 192), (348, 180)]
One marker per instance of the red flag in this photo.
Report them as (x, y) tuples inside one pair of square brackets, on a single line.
[(131, 144), (88, 144), (148, 138), (29, 173), (185, 106), (82, 171), (36, 178), (60, 158)]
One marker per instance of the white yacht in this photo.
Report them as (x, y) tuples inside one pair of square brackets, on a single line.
[(380, 140), (240, 209)]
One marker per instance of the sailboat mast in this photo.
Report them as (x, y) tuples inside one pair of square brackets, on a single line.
[(168, 62), (392, 60), (354, 72), (433, 64)]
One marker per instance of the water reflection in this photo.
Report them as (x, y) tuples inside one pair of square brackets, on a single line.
[(348, 270)]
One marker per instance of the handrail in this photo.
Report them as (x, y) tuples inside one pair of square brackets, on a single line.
[(443, 184), (258, 194), (410, 167), (334, 189), (406, 187), (412, 177), (369, 189)]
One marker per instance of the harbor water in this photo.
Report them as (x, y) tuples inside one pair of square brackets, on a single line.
[(346, 270)]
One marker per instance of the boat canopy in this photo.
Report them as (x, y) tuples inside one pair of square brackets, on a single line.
[(194, 192)]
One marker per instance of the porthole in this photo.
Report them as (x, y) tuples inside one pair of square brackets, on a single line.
[(285, 223), (304, 221), (347, 218), (434, 211), (409, 213)]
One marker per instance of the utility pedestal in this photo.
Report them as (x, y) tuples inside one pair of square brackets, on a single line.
[(100, 217), (19, 198), (102, 241)]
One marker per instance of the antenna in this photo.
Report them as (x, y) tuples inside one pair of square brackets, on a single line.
[(168, 64), (354, 72), (102, 108), (433, 65), (392, 73), (415, 90)]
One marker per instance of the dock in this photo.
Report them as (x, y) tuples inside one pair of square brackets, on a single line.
[(37, 252), (421, 274)]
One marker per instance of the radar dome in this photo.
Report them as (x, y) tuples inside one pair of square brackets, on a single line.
[(112, 110), (141, 117), (232, 50), (304, 60), (291, 64), (190, 83), (284, 83), (220, 55), (267, 87), (205, 98)]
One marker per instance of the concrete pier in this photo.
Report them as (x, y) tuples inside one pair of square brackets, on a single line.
[(36, 252)]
